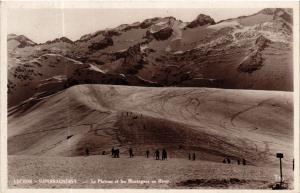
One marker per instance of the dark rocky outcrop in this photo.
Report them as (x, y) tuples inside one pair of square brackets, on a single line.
[(62, 39), (160, 35), (201, 20), (252, 63), (285, 14), (261, 42), (101, 44), (133, 59), (111, 33), (255, 60), (87, 37), (127, 27), (148, 22), (85, 75), (23, 40)]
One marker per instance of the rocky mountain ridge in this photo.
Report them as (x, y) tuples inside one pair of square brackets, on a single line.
[(248, 52)]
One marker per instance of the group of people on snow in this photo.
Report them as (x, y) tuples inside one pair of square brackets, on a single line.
[(115, 153), (228, 161)]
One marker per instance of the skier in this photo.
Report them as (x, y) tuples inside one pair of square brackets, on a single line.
[(157, 154), (244, 161), (164, 154), (130, 153)]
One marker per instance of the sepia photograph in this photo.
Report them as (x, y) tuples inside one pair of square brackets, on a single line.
[(150, 98)]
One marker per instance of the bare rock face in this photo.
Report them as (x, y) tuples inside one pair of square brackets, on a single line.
[(129, 54), (261, 43), (284, 14), (111, 33), (148, 22), (255, 60), (133, 60), (86, 75), (268, 11), (201, 20), (50, 86), (62, 39), (252, 63), (127, 27), (22, 40), (160, 35), (102, 44)]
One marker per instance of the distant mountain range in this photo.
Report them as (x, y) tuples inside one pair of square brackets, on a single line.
[(248, 52)]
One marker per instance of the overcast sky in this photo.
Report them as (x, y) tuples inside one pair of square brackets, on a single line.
[(41, 25)]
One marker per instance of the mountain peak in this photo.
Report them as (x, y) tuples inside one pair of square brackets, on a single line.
[(22, 40), (268, 11), (201, 20), (62, 39), (272, 11), (282, 13)]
